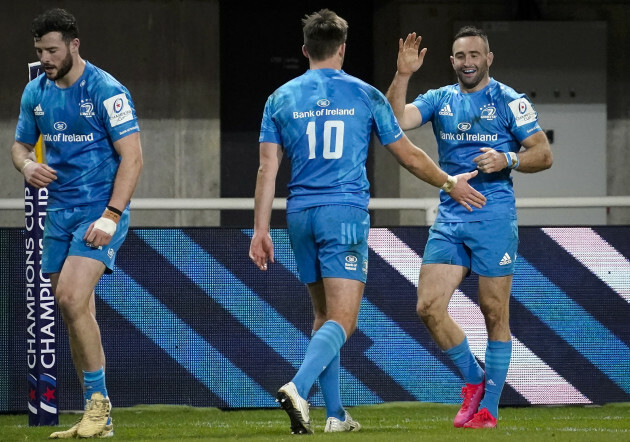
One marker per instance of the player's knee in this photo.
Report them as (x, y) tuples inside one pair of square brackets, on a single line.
[(70, 304), (426, 309), (495, 318)]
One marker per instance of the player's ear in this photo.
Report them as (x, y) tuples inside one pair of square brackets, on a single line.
[(342, 50), (304, 51), (74, 45), (490, 58)]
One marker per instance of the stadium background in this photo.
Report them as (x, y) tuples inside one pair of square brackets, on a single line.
[(187, 319), (199, 72)]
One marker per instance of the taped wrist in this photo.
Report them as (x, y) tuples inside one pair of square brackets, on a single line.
[(108, 222), (24, 164), (512, 160), (450, 183)]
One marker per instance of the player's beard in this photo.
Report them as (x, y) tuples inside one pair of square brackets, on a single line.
[(63, 69), (471, 83)]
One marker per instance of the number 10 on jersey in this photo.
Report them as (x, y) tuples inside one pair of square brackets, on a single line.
[(332, 149)]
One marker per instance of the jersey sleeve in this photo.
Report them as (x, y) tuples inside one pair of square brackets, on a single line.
[(522, 118), (386, 125), (268, 130), (116, 110), (426, 104), (26, 130)]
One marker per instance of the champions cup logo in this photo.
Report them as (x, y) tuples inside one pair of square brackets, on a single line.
[(40, 317), (118, 109), (118, 105), (523, 111), (522, 107)]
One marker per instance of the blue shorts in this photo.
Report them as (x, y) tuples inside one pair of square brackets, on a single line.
[(488, 248), (63, 237), (330, 242)]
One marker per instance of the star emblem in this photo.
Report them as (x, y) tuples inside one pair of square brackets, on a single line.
[(31, 394), (50, 394)]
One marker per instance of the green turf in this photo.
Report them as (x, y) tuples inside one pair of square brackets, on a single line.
[(397, 421)]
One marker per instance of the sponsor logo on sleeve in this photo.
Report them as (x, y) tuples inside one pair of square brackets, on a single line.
[(118, 109), (523, 111)]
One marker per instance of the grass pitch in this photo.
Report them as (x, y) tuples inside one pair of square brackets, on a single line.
[(395, 421)]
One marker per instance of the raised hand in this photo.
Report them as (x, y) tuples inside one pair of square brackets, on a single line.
[(410, 56)]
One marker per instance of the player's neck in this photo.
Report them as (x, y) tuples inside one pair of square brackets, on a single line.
[(481, 85), (325, 64), (71, 77)]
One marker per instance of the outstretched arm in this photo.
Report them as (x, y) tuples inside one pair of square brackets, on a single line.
[(410, 58), (416, 161), (261, 246)]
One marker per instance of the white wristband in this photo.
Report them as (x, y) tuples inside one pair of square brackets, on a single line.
[(512, 160), (105, 225), (450, 183)]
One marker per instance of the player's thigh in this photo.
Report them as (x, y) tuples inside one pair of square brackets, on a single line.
[(76, 283), (494, 245), (343, 300), (494, 294), (303, 245), (436, 285), (341, 233)]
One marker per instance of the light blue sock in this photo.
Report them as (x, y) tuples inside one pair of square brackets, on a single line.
[(498, 356), (320, 352), (465, 361), (93, 382), (329, 384)]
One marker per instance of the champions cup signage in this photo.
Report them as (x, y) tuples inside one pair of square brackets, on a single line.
[(40, 302)]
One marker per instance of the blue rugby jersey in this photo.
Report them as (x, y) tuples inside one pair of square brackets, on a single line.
[(324, 120), (496, 117), (78, 125)]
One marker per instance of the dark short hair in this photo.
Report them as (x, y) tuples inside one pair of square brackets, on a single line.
[(324, 31), (55, 20), (471, 31)]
